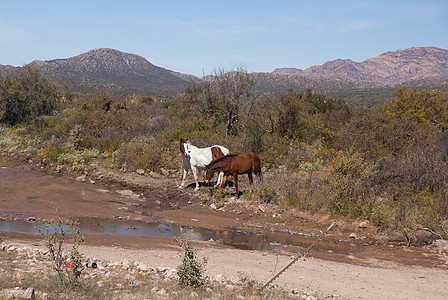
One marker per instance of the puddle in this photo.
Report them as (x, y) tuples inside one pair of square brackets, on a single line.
[(234, 238), (42, 191)]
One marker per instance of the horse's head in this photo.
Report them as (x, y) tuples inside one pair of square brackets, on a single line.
[(185, 147), (208, 175)]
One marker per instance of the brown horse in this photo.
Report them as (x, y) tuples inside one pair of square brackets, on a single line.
[(235, 165)]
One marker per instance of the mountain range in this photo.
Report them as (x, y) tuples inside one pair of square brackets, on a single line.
[(124, 73)]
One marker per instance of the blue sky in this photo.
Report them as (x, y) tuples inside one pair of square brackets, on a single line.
[(197, 37)]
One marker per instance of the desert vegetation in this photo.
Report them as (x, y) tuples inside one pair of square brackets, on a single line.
[(23, 267), (386, 163)]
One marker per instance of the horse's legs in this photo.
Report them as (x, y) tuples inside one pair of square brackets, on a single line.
[(223, 182), (220, 178), (259, 176), (195, 175), (251, 180), (235, 179), (181, 186)]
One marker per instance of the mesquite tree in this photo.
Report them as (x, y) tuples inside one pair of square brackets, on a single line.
[(225, 96), (26, 95)]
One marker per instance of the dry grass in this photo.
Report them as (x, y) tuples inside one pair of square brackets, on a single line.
[(19, 272)]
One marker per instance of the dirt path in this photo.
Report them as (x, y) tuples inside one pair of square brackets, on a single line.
[(380, 271)]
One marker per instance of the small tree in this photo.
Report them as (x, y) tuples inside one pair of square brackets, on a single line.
[(293, 120), (26, 95), (191, 270), (225, 96), (69, 266)]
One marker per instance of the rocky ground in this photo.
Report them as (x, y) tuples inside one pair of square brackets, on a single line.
[(121, 280)]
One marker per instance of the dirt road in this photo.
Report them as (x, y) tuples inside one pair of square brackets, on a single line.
[(379, 270)]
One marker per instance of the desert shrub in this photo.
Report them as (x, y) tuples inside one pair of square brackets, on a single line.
[(262, 192), (69, 266), (407, 141), (26, 95), (382, 213), (78, 159), (49, 154), (253, 132), (148, 153), (293, 120), (8, 139), (191, 271), (424, 208), (147, 100), (420, 107), (309, 116), (348, 183), (303, 191)]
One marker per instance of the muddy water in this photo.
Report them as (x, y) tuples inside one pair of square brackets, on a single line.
[(25, 193), (240, 239)]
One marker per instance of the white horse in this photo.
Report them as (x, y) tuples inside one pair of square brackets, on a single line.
[(195, 158)]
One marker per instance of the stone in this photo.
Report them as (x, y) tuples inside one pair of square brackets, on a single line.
[(440, 246), (20, 276), (424, 237), (81, 178), (161, 269), (363, 224), (194, 295), (29, 294), (218, 278), (162, 292), (142, 267), (170, 273), (128, 193), (353, 235)]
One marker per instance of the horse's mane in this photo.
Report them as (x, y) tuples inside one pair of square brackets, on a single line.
[(220, 159)]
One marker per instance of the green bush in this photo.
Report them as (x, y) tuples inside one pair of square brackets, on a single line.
[(149, 154), (191, 271), (348, 182), (26, 95)]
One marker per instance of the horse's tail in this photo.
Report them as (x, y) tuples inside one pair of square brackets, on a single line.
[(256, 165)]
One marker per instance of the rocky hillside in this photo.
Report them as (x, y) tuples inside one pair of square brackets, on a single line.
[(112, 70), (410, 66), (124, 73)]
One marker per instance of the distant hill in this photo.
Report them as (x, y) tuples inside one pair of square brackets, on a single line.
[(109, 69), (409, 66), (124, 73)]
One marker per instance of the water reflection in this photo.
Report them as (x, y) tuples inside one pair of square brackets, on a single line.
[(264, 240)]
